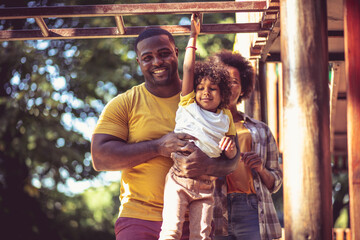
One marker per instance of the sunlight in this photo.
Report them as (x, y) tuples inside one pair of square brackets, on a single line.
[(72, 186), (292, 169)]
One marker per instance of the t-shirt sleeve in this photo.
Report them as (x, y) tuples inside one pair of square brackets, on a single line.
[(187, 99), (114, 118), (232, 129)]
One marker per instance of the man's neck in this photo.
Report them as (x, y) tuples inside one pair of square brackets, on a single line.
[(165, 91)]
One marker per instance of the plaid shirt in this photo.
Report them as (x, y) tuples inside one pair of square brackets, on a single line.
[(265, 145)]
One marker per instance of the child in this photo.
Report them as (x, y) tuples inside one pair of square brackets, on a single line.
[(205, 94)]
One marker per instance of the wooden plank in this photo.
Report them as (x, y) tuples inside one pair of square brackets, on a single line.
[(112, 32), (352, 66), (133, 9)]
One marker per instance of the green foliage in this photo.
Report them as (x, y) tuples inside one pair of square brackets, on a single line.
[(340, 196), (49, 88), (343, 220)]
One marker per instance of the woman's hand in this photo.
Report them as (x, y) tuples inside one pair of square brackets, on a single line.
[(252, 160)]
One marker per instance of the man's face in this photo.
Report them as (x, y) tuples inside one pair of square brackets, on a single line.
[(158, 60)]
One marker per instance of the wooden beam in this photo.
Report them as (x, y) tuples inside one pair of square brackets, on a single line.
[(352, 65), (272, 103), (263, 92), (112, 32), (44, 30), (334, 89), (133, 9), (307, 166), (120, 24), (273, 34), (270, 7)]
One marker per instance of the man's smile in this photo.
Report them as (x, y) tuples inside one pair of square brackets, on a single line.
[(159, 70)]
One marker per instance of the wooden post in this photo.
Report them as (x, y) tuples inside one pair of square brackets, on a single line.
[(307, 169), (272, 101), (352, 65), (252, 104), (263, 92)]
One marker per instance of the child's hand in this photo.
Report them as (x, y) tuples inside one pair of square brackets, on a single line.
[(195, 24), (227, 145)]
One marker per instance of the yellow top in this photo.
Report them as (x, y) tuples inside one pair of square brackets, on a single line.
[(241, 180), (137, 116)]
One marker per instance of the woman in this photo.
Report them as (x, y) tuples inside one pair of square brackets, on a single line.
[(251, 212)]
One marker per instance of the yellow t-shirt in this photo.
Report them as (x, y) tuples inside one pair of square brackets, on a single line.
[(137, 116), (241, 180)]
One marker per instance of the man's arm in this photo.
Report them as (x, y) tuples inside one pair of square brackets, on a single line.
[(198, 163), (110, 153)]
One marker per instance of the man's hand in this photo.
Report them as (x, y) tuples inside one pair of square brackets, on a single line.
[(191, 162), (173, 142)]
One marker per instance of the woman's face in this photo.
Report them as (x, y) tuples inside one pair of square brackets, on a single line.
[(235, 84)]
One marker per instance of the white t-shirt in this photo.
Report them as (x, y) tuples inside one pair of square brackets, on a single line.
[(208, 127)]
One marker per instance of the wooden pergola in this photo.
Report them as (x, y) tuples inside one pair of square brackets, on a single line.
[(266, 27), (305, 86)]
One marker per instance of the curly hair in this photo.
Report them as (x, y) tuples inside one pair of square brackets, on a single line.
[(216, 75), (244, 67)]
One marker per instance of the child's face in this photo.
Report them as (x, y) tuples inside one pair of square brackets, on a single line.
[(208, 95)]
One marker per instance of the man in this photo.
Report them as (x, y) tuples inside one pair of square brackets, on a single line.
[(134, 135)]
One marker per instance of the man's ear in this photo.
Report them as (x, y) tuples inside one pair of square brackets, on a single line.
[(137, 59), (177, 51)]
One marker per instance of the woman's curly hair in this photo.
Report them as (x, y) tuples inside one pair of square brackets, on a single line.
[(244, 67), (215, 74)]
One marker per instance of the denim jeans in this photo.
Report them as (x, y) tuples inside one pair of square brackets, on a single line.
[(243, 216)]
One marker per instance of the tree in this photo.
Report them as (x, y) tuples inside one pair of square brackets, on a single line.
[(48, 88)]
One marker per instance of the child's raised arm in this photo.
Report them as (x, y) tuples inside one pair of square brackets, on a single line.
[(189, 58)]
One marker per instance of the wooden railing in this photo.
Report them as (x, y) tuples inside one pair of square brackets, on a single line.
[(338, 234), (341, 234)]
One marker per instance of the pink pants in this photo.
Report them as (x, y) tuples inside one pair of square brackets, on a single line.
[(182, 195), (138, 229)]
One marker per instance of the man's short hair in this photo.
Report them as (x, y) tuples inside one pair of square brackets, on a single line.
[(150, 32)]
